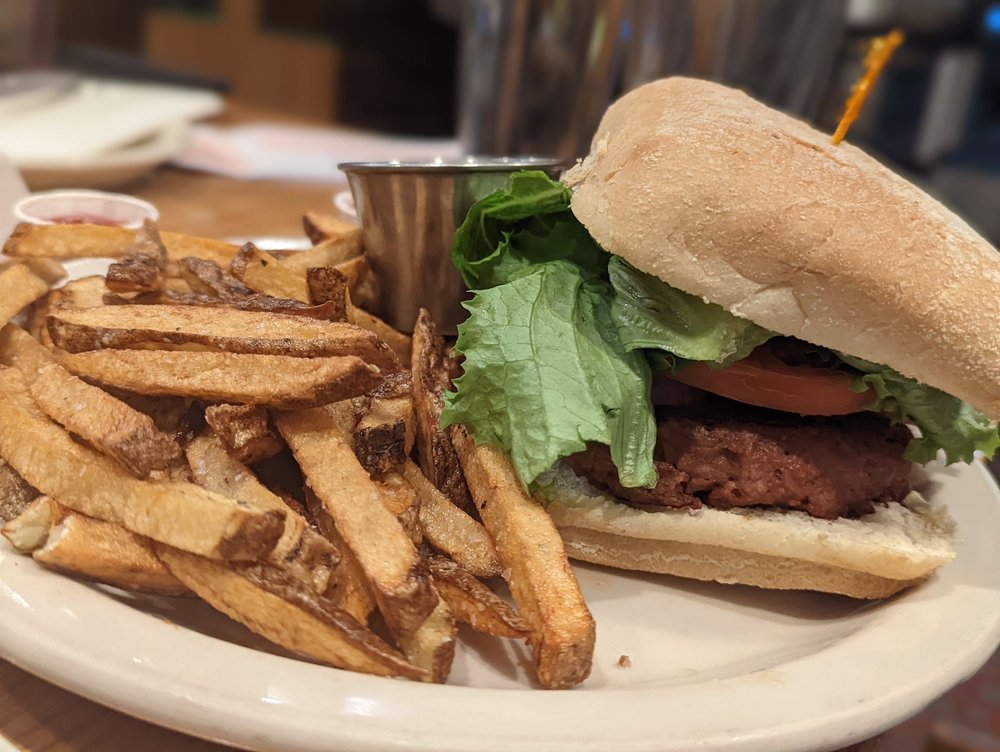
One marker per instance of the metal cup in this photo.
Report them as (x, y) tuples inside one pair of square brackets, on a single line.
[(409, 213)]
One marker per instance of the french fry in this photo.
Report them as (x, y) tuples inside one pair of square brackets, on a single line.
[(144, 268), (472, 602), (178, 417), (437, 456), (19, 288), (180, 514), (348, 589), (30, 528), (450, 530), (321, 227), (398, 342), (326, 252), (85, 241), (360, 280), (248, 332), (208, 278), (275, 380), (253, 302), (328, 285), (535, 565), (15, 493), (107, 553), (245, 431), (383, 436), (263, 273), (86, 292), (401, 499), (20, 349), (302, 552), (48, 269), (284, 611), (377, 539), (107, 424), (432, 645)]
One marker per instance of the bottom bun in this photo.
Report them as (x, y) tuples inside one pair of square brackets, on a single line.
[(896, 547)]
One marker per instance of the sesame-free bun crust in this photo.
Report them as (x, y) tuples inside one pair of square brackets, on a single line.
[(725, 198), (897, 546)]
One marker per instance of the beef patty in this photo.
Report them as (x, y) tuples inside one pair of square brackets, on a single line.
[(826, 467)]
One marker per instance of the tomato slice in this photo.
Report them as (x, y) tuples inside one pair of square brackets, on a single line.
[(763, 380)]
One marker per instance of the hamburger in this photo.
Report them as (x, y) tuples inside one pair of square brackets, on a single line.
[(722, 348)]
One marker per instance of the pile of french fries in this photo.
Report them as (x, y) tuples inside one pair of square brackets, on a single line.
[(234, 424)]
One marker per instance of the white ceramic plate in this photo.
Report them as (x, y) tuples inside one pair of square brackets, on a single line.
[(713, 667), (108, 169)]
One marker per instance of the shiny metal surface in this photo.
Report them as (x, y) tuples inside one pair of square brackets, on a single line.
[(408, 213), (536, 75)]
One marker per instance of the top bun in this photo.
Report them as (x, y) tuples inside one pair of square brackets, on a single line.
[(744, 206)]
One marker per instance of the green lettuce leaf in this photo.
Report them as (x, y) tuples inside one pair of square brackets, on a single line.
[(652, 315), (945, 422), (514, 229), (545, 373)]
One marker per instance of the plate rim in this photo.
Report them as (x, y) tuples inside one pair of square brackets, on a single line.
[(81, 673)]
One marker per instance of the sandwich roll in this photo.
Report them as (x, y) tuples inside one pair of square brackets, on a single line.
[(896, 547), (758, 212)]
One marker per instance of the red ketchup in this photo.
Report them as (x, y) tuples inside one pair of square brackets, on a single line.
[(83, 219)]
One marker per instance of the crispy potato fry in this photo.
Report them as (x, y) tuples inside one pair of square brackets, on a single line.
[(20, 349), (360, 280), (398, 342), (383, 549), (107, 553), (144, 268), (37, 316), (262, 272), (535, 565), (348, 588), (86, 292), (84, 241), (472, 602), (181, 514), (178, 417), (320, 227), (287, 613), (432, 645), (383, 436), (253, 302), (15, 493), (107, 424), (245, 431), (126, 327), (328, 285), (208, 278), (48, 269), (401, 499), (19, 288), (302, 552), (437, 456), (30, 528), (327, 252), (135, 273), (450, 530), (275, 380)]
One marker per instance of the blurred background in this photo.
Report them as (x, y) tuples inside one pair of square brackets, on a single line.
[(486, 76), (231, 115)]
